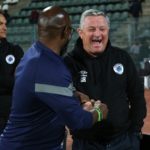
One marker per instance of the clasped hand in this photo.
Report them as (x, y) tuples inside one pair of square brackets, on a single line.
[(90, 104)]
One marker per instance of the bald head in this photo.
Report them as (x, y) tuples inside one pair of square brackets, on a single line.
[(52, 21)]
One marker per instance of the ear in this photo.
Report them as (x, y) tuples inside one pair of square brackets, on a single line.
[(64, 32), (79, 32)]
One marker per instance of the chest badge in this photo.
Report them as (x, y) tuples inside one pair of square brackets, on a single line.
[(10, 59), (118, 68), (83, 76)]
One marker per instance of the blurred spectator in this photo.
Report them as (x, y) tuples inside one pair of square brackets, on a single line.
[(34, 17), (145, 59), (10, 56), (135, 51), (136, 12), (146, 70), (144, 50)]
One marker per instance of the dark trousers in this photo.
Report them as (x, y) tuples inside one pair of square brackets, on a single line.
[(5, 104), (145, 143), (124, 142)]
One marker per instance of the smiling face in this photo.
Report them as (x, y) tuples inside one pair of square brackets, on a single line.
[(94, 34)]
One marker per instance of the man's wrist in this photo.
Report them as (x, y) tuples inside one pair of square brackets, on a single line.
[(99, 113)]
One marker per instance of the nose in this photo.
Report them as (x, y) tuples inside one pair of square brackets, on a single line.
[(5, 27), (97, 32)]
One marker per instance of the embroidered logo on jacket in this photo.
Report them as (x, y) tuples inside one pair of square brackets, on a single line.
[(118, 68), (10, 59), (83, 76)]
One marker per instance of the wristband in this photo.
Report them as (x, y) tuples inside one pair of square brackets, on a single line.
[(100, 117)]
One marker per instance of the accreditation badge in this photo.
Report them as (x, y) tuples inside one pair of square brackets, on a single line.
[(10, 59), (118, 68)]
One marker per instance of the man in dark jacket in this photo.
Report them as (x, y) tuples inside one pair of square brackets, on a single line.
[(10, 56), (43, 96), (106, 73)]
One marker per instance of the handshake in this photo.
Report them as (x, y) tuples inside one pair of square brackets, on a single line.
[(96, 107)]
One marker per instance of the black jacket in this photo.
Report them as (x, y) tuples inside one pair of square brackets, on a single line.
[(112, 78), (10, 56)]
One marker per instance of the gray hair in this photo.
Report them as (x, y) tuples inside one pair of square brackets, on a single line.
[(93, 12)]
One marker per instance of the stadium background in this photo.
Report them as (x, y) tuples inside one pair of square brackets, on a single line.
[(122, 32)]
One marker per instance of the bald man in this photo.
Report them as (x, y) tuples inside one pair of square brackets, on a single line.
[(43, 99)]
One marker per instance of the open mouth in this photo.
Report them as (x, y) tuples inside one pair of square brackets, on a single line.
[(97, 41)]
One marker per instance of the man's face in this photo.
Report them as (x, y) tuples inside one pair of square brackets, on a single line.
[(3, 28), (94, 34)]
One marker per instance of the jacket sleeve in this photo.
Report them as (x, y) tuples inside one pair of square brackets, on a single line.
[(59, 96), (135, 90)]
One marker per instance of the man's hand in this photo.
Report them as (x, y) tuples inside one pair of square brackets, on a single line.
[(85, 101), (90, 104), (82, 97), (103, 108)]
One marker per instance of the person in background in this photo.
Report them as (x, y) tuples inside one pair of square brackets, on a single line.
[(33, 18), (10, 56), (136, 11), (107, 73), (135, 52), (43, 97), (144, 49)]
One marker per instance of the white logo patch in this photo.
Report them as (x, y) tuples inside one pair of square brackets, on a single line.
[(10, 59), (118, 68), (83, 76)]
